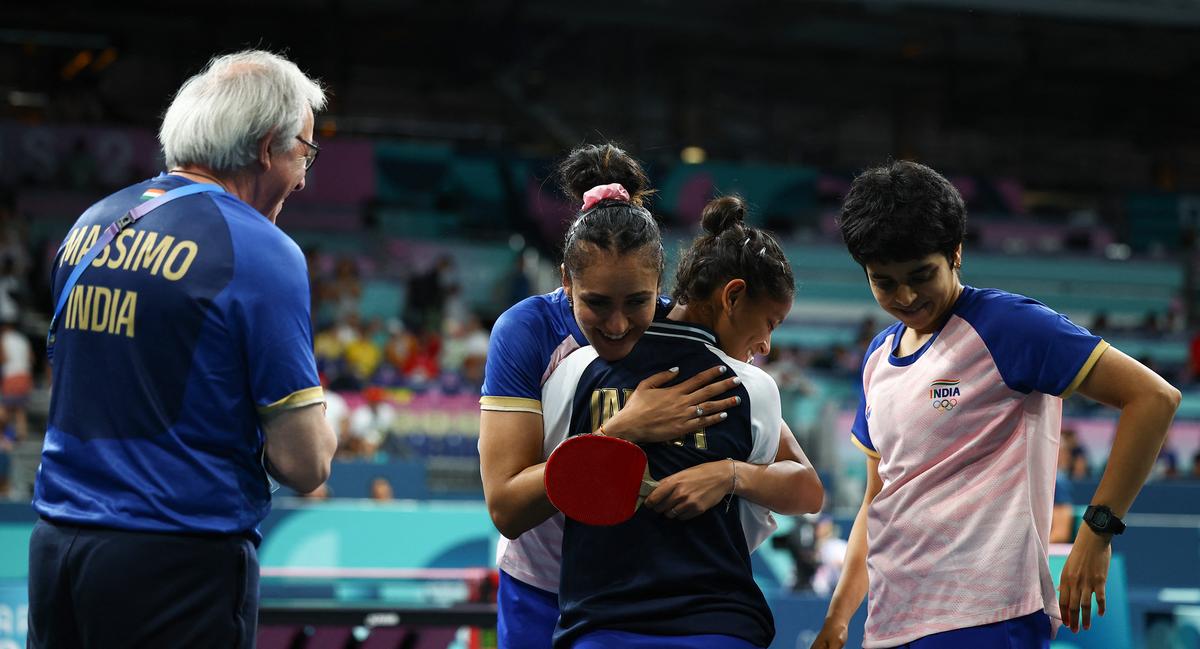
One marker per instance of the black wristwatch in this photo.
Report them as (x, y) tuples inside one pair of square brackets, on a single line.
[(1102, 521)]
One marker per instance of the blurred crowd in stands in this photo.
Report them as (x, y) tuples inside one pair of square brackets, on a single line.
[(429, 349)]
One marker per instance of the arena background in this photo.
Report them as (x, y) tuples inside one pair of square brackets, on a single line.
[(1071, 127)]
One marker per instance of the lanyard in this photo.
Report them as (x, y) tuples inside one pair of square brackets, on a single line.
[(110, 233)]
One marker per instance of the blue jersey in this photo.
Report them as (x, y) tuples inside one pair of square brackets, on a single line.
[(188, 328), (528, 340), (653, 575)]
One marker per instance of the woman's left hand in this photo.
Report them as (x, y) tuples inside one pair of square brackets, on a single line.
[(1085, 573), (693, 491)]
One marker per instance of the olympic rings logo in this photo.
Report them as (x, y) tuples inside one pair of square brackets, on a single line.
[(944, 404)]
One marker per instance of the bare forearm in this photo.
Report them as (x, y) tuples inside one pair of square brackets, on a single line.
[(852, 586), (299, 447), (511, 465), (1062, 518), (786, 486), (520, 503), (1141, 431), (299, 475)]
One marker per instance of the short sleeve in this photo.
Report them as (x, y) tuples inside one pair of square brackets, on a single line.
[(1035, 348), (270, 308), (860, 430), (558, 394), (512, 377), (766, 415), (766, 422)]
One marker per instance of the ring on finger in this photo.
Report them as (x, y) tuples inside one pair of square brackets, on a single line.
[(699, 411), (672, 513)]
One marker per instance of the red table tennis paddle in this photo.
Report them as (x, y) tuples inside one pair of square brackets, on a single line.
[(598, 480)]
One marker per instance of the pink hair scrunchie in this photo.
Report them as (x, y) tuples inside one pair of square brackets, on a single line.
[(603, 192)]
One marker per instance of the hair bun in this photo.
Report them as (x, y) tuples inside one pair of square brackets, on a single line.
[(723, 213), (592, 165)]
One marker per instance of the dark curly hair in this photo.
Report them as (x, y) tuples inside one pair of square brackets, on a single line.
[(902, 211), (730, 249)]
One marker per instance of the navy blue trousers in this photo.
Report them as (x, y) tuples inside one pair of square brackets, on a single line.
[(91, 588)]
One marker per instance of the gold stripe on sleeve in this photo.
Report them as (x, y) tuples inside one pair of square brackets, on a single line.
[(1086, 369), (297, 399), (511, 404), (863, 447)]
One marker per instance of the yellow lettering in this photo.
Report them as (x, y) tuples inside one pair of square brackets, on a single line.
[(699, 440), (178, 273), (605, 403), (137, 240), (103, 299), (125, 317), (132, 250), (72, 246), (73, 306), (82, 296), (609, 402), (119, 242), (151, 256), (102, 257), (92, 235), (101, 309), (595, 409), (111, 317)]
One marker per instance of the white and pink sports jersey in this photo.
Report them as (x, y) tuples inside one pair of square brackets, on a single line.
[(966, 431)]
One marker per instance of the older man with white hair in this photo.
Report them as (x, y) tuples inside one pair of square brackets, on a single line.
[(184, 377)]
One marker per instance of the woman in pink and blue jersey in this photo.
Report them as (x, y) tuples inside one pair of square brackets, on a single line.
[(960, 416), (613, 256)]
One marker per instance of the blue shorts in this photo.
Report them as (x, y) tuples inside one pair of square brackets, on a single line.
[(626, 640), (1026, 632), (525, 615)]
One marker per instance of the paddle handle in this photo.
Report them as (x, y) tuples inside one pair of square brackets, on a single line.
[(647, 487)]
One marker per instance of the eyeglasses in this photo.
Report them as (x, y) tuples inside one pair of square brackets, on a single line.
[(313, 151)]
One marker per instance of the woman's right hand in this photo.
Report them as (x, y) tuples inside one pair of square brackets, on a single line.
[(658, 414), (832, 636)]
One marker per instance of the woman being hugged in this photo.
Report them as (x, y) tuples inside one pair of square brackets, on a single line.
[(619, 243), (959, 417), (677, 575)]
